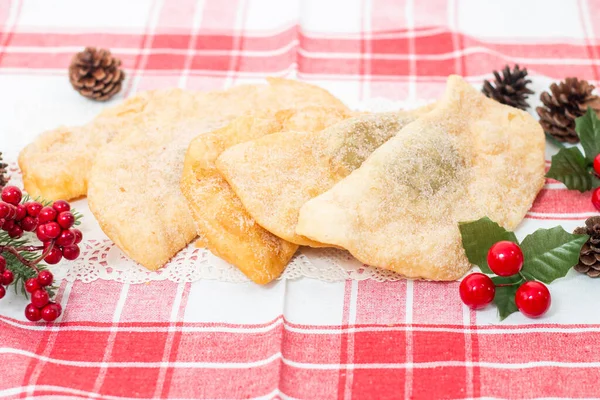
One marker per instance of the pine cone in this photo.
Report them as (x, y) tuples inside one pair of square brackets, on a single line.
[(589, 258), (510, 89), (3, 177), (95, 74), (568, 100)]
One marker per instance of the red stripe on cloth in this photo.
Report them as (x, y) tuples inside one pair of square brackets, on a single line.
[(310, 384), (540, 382), (238, 383), (141, 304), (345, 341), (438, 303), (562, 201), (439, 383), (475, 354), (175, 344), (385, 383)]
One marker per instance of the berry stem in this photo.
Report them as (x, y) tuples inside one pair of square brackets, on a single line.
[(509, 284), (24, 261), (29, 248), (45, 253)]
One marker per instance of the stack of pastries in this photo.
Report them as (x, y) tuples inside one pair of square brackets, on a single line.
[(258, 170)]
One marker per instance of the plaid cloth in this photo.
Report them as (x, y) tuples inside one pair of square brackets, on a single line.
[(302, 339)]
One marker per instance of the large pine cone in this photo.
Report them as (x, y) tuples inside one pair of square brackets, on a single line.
[(96, 74), (510, 88), (567, 101), (589, 258)]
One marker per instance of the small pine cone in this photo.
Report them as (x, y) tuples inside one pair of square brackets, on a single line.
[(589, 258), (510, 88), (3, 175), (566, 101), (96, 74)]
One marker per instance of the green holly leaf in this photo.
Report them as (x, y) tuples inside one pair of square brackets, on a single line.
[(570, 167), (550, 253), (477, 238), (505, 294), (588, 129)]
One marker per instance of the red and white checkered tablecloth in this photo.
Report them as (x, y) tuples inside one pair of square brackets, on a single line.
[(296, 339)]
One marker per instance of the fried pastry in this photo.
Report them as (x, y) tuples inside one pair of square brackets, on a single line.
[(133, 187), (276, 174), (224, 225), (56, 165), (470, 157)]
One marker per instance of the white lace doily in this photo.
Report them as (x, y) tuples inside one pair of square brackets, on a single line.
[(102, 259)]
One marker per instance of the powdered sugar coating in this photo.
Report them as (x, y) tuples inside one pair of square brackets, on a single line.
[(134, 183), (276, 174), (57, 164), (224, 225), (470, 157)]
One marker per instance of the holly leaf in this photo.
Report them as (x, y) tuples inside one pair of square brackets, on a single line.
[(550, 253), (505, 295), (569, 167), (477, 238), (588, 129)]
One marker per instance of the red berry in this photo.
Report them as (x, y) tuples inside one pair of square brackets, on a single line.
[(52, 230), (31, 285), (16, 232), (61, 206), (477, 290), (58, 307), (8, 225), (40, 298), (41, 233), (65, 220), (29, 224), (33, 208), (21, 212), (47, 214), (2, 292), (505, 258), (71, 252), (51, 312), (33, 313), (66, 238), (533, 299), (7, 277), (596, 198), (45, 278), (4, 209), (2, 264), (12, 195), (54, 256), (597, 164), (78, 235)]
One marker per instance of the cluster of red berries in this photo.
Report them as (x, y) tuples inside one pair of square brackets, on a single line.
[(6, 277), (41, 307), (52, 225), (505, 259), (596, 192), (55, 230)]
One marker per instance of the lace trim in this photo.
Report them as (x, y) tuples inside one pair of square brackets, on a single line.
[(102, 259)]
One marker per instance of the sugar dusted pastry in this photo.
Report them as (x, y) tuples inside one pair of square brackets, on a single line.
[(224, 225), (133, 187), (276, 174), (470, 157), (57, 164)]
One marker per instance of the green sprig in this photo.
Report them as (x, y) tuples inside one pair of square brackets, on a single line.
[(548, 254), (570, 166)]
